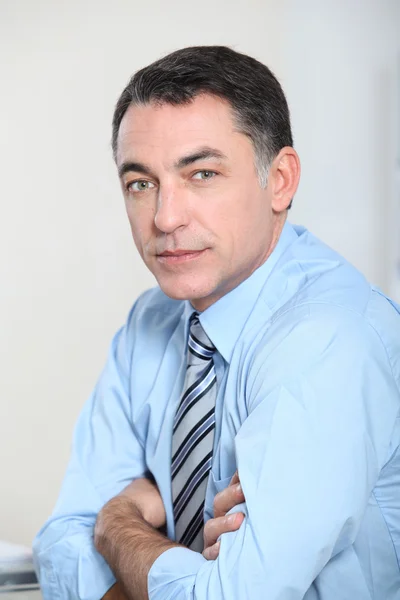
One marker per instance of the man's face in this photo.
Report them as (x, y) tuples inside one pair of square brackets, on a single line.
[(199, 218)]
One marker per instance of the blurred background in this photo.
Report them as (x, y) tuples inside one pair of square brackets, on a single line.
[(69, 271)]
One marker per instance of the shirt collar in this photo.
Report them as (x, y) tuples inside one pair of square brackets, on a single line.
[(224, 320)]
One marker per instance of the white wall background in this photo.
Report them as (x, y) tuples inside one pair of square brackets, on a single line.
[(68, 269), (340, 63)]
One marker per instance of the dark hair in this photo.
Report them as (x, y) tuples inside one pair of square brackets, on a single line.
[(255, 95)]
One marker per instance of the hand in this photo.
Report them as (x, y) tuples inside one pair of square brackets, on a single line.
[(140, 499), (223, 502), (147, 499)]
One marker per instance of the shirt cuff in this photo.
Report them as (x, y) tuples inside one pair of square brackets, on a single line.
[(89, 578), (172, 572)]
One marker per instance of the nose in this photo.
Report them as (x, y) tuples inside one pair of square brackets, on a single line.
[(172, 209)]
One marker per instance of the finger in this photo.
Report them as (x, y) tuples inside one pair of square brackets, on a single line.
[(216, 527), (212, 552), (227, 499)]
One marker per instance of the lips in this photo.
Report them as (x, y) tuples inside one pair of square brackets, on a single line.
[(177, 257), (179, 252)]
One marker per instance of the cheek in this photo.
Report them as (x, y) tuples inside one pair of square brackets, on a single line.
[(141, 220), (249, 222)]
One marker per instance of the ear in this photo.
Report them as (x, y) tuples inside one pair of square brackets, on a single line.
[(284, 178)]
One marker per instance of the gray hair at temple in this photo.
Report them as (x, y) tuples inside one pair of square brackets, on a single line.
[(258, 103)]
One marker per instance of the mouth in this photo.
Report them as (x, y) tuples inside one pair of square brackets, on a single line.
[(179, 256)]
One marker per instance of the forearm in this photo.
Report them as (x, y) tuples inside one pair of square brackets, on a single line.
[(129, 545), (115, 593)]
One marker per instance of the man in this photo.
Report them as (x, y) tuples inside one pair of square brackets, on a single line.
[(256, 390)]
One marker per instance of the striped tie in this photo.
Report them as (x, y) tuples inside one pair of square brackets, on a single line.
[(193, 436)]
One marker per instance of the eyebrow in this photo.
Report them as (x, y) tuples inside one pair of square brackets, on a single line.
[(205, 153), (138, 167)]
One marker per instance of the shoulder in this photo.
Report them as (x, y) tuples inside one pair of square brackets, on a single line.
[(327, 343), (321, 301), (304, 329)]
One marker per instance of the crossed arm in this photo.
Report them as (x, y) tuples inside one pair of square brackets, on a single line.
[(127, 537), (308, 453)]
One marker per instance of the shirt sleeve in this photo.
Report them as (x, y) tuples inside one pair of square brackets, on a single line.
[(322, 403), (106, 456)]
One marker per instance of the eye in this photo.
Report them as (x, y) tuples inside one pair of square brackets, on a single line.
[(140, 185), (204, 175)]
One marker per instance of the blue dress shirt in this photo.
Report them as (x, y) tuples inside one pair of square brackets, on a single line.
[(308, 370)]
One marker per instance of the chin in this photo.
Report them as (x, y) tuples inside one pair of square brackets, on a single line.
[(197, 294)]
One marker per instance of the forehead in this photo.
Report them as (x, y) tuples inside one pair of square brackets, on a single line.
[(153, 128)]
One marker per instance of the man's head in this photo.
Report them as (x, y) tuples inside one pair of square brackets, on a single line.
[(203, 145)]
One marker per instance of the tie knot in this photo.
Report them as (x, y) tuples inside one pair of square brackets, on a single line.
[(200, 345)]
